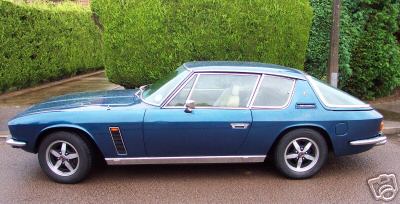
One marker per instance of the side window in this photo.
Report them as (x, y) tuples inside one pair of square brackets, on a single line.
[(180, 98), (274, 92), (218, 90), (223, 90)]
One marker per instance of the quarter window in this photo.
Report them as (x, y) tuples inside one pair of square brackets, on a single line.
[(218, 90), (274, 91), (180, 98)]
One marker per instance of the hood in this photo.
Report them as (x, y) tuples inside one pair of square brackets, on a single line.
[(100, 98)]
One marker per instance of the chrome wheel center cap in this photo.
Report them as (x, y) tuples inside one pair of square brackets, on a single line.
[(301, 154)]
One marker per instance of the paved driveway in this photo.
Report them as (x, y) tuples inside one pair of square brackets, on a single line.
[(11, 106), (342, 180)]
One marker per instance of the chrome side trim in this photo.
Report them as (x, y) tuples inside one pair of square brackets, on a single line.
[(186, 160), (14, 143), (380, 140)]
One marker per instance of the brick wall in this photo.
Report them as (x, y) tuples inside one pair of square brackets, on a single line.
[(84, 2)]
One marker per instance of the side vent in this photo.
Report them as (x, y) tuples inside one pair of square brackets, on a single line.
[(306, 106), (118, 141)]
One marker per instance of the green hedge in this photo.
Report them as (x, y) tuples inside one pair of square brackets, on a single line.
[(369, 56), (376, 57), (144, 40), (44, 42)]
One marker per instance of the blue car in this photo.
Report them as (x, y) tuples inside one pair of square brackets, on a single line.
[(204, 112)]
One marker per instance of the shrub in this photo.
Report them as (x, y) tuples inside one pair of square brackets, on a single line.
[(368, 59), (351, 25), (43, 42), (144, 40), (376, 57)]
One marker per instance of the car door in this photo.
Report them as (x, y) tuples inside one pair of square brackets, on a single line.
[(273, 112), (217, 126)]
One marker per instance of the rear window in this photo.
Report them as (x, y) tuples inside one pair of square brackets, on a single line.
[(333, 97)]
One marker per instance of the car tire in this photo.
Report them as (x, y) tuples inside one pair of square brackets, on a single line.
[(300, 153), (65, 157)]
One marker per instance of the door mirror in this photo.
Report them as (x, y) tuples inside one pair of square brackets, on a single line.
[(189, 106)]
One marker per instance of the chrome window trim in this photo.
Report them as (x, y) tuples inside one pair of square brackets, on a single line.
[(211, 107), (186, 160), (178, 89), (255, 89), (325, 102), (191, 90), (259, 71), (172, 90), (197, 75), (288, 101)]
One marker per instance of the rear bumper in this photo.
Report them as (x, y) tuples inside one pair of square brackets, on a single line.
[(14, 143), (379, 140)]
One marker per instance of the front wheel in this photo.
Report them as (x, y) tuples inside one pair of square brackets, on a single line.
[(301, 153), (65, 157)]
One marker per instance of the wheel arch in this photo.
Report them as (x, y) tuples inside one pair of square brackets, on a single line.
[(81, 132), (315, 127)]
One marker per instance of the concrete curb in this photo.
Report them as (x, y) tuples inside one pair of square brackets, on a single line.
[(27, 90), (392, 131), (4, 134)]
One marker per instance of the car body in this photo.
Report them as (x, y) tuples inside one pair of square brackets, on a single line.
[(206, 112)]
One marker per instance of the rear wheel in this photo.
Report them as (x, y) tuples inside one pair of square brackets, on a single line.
[(65, 157), (301, 153)]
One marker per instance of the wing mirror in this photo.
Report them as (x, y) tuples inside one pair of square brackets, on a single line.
[(189, 106)]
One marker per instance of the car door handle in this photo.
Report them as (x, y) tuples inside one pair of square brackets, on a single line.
[(239, 125)]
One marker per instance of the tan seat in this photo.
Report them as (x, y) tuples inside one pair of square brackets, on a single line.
[(229, 98)]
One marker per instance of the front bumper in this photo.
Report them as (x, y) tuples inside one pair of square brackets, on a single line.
[(379, 140), (14, 143)]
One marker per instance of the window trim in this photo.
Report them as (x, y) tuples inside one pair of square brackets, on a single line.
[(288, 101), (189, 75), (197, 75), (321, 97), (177, 90)]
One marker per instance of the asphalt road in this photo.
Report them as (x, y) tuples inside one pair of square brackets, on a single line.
[(343, 179)]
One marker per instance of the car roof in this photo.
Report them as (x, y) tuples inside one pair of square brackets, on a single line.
[(244, 67)]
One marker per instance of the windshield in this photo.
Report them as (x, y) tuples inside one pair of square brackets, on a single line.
[(157, 92)]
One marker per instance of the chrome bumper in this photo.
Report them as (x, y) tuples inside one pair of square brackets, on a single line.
[(380, 140), (14, 143)]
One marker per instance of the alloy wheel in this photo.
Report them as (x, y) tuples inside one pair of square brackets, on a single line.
[(62, 158), (301, 154)]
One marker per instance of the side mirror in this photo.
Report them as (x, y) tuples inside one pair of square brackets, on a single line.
[(189, 106)]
